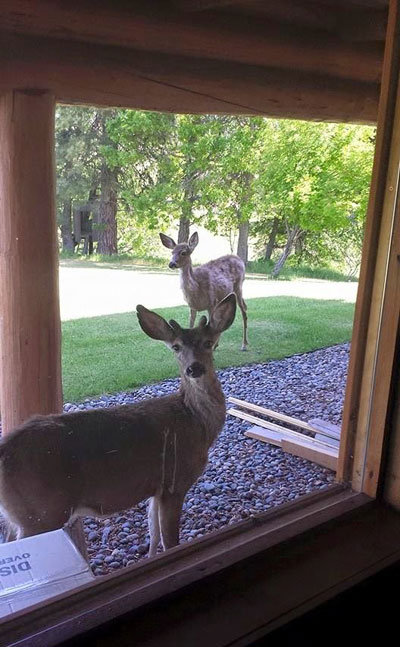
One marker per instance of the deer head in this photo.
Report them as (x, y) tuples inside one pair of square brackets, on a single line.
[(180, 253), (193, 347)]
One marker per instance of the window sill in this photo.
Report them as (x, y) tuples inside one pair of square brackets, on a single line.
[(245, 580)]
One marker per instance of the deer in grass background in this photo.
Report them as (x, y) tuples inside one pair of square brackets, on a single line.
[(204, 286), (98, 462)]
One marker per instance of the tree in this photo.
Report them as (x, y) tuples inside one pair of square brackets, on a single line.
[(83, 167), (163, 160), (77, 163), (228, 187), (313, 178)]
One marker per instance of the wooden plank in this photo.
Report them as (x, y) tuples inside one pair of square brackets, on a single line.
[(316, 452), (324, 428), (30, 331), (326, 458), (330, 441), (287, 433), (265, 435), (257, 40), (269, 412), (111, 76)]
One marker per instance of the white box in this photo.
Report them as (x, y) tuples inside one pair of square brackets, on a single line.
[(36, 568)]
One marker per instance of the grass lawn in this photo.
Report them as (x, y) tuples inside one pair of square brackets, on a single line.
[(111, 353)]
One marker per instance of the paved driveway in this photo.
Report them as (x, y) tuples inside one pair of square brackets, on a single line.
[(89, 291)]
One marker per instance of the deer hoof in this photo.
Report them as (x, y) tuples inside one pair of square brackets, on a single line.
[(244, 347)]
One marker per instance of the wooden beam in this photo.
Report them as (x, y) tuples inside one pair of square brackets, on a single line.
[(109, 76), (391, 491), (324, 428), (253, 41), (353, 23), (30, 370), (373, 341), (283, 432), (325, 457)]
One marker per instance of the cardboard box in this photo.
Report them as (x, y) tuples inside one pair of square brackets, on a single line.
[(36, 568)]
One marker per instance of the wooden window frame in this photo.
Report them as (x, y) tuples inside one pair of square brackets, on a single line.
[(318, 537)]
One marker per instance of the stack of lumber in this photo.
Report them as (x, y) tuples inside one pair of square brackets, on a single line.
[(321, 447)]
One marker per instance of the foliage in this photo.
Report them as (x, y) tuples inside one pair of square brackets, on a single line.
[(316, 179), (221, 171), (77, 148), (294, 270)]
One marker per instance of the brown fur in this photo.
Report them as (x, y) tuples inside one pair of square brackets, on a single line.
[(204, 286), (102, 461)]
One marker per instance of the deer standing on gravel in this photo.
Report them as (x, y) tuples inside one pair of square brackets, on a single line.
[(204, 286), (102, 461)]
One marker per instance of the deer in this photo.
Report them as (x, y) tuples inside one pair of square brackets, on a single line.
[(204, 286), (58, 467)]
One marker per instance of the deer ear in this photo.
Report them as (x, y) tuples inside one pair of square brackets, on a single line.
[(223, 314), (153, 325), (167, 241), (193, 241)]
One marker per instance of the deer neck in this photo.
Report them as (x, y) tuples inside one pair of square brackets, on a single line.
[(205, 399), (187, 276)]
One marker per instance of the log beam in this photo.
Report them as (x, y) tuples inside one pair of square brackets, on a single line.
[(353, 23), (253, 40), (30, 368), (111, 76)]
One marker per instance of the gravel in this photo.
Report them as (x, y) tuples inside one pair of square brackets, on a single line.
[(244, 476)]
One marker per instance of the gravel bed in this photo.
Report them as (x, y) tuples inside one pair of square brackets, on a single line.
[(244, 476)]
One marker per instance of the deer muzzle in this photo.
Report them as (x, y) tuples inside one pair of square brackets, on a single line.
[(195, 370)]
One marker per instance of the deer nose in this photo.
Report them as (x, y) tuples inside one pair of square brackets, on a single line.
[(172, 265), (195, 370)]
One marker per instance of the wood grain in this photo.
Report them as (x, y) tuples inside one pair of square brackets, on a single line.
[(255, 40), (111, 76), (30, 372)]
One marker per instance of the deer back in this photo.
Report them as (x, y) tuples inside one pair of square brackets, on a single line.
[(213, 281), (103, 460)]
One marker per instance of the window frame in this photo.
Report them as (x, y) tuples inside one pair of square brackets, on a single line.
[(365, 428)]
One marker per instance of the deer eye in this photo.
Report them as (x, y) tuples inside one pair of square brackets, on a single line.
[(176, 347), (208, 344), (184, 253)]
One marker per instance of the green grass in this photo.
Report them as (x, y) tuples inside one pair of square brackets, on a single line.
[(111, 353)]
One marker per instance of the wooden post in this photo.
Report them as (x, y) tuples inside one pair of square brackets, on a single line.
[(30, 364)]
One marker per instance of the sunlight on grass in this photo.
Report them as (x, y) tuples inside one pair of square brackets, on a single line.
[(111, 353)]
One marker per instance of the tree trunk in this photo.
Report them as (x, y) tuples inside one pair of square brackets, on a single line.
[(242, 247), (107, 212), (187, 205), (292, 234), (183, 234), (299, 246), (68, 243), (272, 238)]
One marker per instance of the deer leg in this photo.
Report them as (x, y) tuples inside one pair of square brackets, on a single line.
[(8, 531), (170, 514), (193, 314), (154, 526), (27, 520), (37, 526)]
